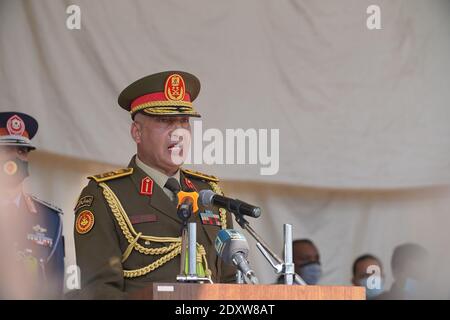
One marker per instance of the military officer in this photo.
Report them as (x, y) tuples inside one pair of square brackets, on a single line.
[(31, 229), (127, 232)]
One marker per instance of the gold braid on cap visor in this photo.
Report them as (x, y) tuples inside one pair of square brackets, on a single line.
[(165, 107)]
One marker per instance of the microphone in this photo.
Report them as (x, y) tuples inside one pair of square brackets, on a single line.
[(187, 204), (232, 247), (209, 199)]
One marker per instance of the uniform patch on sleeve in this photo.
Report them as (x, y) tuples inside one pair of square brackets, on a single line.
[(85, 201), (84, 222)]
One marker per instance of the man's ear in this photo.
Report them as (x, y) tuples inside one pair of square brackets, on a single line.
[(136, 132)]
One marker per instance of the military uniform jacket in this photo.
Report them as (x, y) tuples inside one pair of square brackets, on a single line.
[(36, 247), (128, 216)]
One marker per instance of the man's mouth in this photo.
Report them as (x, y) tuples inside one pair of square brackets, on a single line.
[(175, 147)]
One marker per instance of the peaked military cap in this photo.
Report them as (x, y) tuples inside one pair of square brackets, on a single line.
[(162, 94), (17, 129)]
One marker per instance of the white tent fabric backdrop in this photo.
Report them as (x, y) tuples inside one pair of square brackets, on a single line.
[(363, 114), (355, 107)]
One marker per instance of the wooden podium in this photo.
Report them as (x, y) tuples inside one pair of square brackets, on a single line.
[(193, 291)]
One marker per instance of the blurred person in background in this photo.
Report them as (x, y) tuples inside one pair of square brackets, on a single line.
[(31, 241), (306, 260), (368, 272), (410, 265)]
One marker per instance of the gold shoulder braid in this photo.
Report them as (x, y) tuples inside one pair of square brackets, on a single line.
[(200, 175), (112, 175), (170, 251)]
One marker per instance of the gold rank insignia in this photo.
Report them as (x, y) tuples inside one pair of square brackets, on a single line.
[(174, 88), (112, 175), (85, 222)]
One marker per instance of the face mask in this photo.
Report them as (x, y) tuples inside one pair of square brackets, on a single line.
[(13, 172), (374, 287), (310, 272)]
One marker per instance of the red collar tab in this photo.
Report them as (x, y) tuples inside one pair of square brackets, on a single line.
[(146, 186)]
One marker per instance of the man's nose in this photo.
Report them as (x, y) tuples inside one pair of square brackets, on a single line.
[(180, 133)]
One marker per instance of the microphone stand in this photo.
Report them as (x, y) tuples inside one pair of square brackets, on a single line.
[(184, 242), (189, 241), (239, 277), (285, 267)]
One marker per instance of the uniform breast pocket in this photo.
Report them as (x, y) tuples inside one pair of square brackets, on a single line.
[(154, 225), (210, 223), (144, 222), (143, 218)]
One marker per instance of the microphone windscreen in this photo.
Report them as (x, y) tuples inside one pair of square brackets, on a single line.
[(206, 197), (229, 242)]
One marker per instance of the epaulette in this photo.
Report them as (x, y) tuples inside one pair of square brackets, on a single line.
[(200, 175), (48, 205), (111, 175)]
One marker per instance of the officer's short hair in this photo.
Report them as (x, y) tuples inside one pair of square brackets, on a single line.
[(363, 257), (303, 241)]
